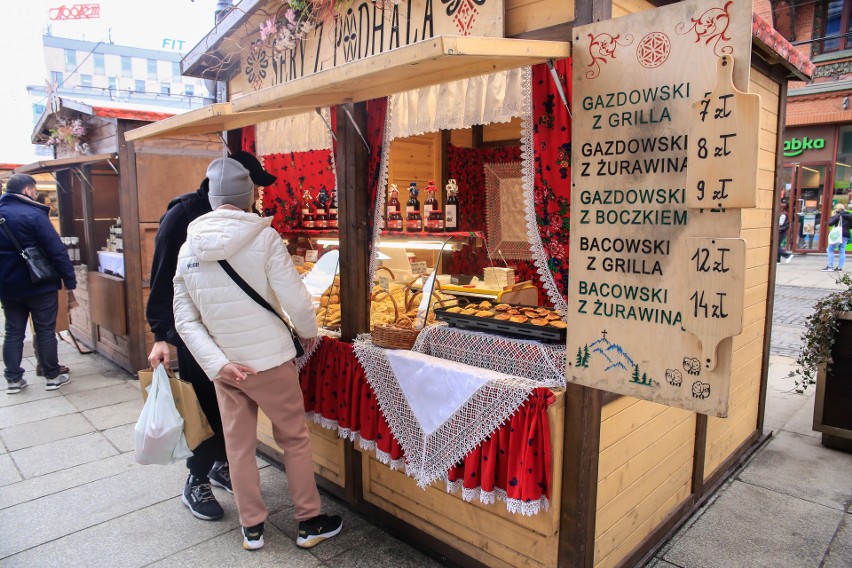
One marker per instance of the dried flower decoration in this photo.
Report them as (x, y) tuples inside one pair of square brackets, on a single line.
[(72, 133)]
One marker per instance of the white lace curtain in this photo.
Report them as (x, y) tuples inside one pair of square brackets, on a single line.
[(486, 99), (299, 133)]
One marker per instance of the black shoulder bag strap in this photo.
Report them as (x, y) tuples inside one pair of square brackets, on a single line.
[(12, 238), (226, 266)]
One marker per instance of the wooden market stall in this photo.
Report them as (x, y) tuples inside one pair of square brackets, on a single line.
[(623, 471), (112, 208)]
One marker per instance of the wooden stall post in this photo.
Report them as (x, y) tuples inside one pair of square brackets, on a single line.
[(580, 476), (85, 181), (353, 204), (354, 209), (65, 202), (129, 204)]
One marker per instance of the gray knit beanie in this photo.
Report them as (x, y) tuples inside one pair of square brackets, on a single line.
[(229, 184)]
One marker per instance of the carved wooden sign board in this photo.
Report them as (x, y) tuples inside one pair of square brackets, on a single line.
[(656, 286), (359, 30)]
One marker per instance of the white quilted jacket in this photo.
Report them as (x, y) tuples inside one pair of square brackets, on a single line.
[(217, 320)]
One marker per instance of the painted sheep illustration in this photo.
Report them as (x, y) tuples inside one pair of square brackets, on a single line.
[(700, 390), (673, 377), (692, 365)]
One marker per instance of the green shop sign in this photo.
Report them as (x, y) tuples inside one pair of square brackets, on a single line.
[(795, 146)]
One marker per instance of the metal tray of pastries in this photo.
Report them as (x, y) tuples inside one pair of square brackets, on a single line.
[(525, 322)]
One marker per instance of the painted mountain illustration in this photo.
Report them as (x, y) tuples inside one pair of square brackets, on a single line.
[(615, 356)]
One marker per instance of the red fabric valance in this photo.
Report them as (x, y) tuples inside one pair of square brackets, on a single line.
[(514, 461)]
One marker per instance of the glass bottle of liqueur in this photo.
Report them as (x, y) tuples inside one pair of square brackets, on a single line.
[(414, 222), (321, 219), (307, 213), (431, 202), (393, 204), (332, 212), (451, 207)]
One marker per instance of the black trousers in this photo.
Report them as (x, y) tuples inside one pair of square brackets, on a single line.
[(211, 449)]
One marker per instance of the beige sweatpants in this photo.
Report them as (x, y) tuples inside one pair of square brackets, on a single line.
[(277, 392)]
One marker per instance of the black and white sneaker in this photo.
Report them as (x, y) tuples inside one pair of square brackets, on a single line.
[(253, 537), (14, 387), (57, 381), (198, 496), (314, 531), (827, 269), (221, 477)]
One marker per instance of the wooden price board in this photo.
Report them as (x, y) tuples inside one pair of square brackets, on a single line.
[(632, 328), (723, 154)]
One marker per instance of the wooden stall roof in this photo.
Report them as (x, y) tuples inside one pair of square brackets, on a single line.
[(436, 60), (217, 117), (45, 166), (430, 62)]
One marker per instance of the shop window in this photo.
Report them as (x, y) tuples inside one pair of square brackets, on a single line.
[(113, 83), (70, 60), (175, 69), (843, 168), (152, 68), (139, 86), (56, 78), (833, 23), (99, 64), (165, 89), (126, 68), (85, 80), (189, 90)]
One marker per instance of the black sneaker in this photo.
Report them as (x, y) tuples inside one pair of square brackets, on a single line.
[(198, 496), (314, 531), (221, 477), (253, 537), (14, 387), (827, 269)]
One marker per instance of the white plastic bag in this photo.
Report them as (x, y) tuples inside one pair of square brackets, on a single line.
[(835, 235), (159, 431)]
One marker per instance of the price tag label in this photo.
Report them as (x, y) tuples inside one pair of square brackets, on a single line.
[(384, 282), (298, 260), (712, 299), (418, 268), (311, 255), (723, 143)]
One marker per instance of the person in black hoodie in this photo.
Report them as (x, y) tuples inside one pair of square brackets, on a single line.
[(28, 222), (208, 463)]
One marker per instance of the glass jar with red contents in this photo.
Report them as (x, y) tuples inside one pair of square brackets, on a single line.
[(394, 222), (320, 220), (307, 219), (414, 223), (332, 217), (435, 221)]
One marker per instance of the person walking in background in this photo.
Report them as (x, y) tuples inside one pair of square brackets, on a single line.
[(208, 464), (28, 222), (783, 229), (246, 350), (845, 220)]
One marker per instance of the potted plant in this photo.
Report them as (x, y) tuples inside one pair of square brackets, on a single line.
[(826, 362)]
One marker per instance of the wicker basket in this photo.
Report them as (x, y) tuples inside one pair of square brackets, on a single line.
[(391, 336)]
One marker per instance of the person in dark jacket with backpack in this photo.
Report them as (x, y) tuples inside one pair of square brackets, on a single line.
[(28, 221), (208, 463)]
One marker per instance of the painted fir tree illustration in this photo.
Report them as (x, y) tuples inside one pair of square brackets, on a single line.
[(583, 356), (635, 373)]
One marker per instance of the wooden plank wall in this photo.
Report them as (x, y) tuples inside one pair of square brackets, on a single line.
[(416, 158), (644, 473), (725, 435), (487, 533)]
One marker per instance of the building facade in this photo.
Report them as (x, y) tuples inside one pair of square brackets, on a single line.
[(106, 74), (818, 135)]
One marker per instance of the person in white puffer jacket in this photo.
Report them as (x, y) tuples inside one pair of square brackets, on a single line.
[(246, 350)]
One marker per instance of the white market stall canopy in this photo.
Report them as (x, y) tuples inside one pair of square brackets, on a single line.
[(430, 62)]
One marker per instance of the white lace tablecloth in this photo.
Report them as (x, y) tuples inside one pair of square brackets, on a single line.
[(540, 362), (438, 410)]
